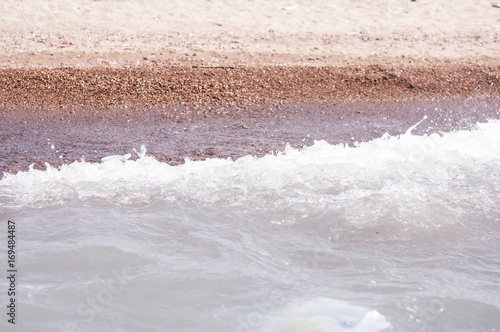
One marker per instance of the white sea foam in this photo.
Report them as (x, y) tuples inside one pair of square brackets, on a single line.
[(441, 175), (337, 170)]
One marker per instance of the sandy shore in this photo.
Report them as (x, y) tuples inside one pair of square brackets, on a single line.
[(85, 33), (114, 53), (218, 78)]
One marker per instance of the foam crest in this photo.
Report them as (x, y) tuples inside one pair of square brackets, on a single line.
[(407, 167)]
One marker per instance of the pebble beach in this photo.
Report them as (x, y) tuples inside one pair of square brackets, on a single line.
[(84, 61)]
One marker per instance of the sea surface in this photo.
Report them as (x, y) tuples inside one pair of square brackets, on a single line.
[(400, 233)]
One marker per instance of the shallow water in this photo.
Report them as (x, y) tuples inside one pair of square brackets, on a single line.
[(398, 233)]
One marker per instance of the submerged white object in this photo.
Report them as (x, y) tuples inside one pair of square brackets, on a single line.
[(325, 315)]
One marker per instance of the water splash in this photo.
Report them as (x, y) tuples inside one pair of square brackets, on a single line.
[(452, 171)]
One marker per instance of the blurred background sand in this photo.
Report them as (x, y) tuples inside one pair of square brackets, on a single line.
[(247, 32)]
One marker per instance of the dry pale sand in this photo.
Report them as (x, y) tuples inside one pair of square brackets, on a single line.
[(247, 32)]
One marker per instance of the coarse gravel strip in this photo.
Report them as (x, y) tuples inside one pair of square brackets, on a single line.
[(156, 87)]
